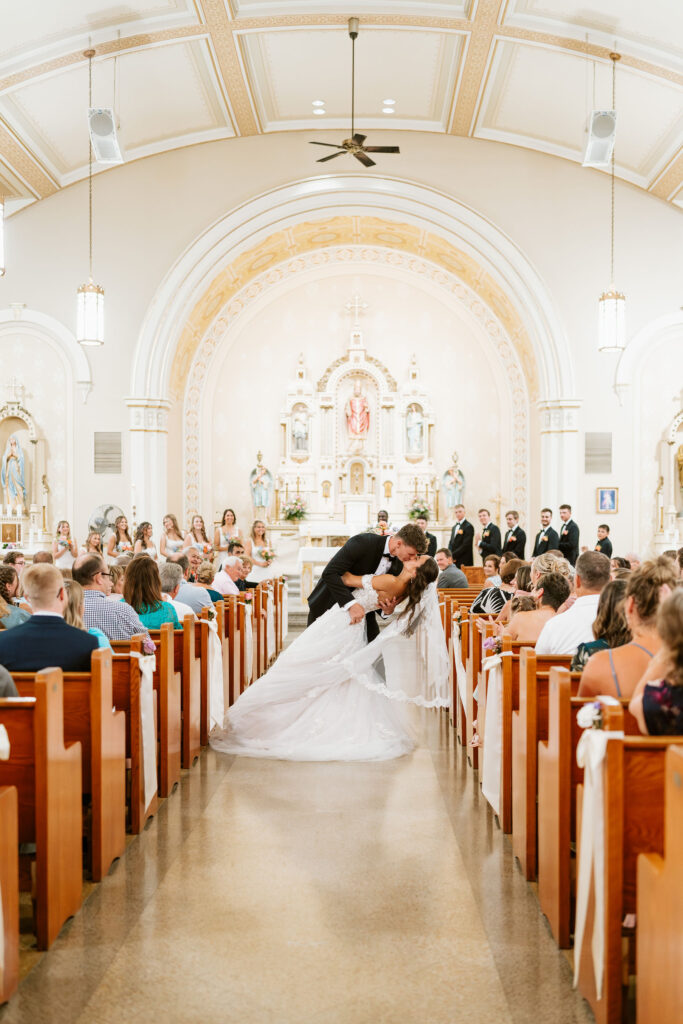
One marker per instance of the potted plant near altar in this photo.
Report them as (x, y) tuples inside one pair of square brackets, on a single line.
[(294, 510), (419, 509)]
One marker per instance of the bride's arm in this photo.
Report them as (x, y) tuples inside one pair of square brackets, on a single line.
[(392, 586)]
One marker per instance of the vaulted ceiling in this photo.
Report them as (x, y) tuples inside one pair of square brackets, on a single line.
[(181, 72)]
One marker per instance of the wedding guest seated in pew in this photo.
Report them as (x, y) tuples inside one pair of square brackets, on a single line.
[(618, 563), (610, 628), (116, 619), (45, 640), (550, 593), (493, 599), (617, 671), (225, 581), (73, 613), (10, 614), (236, 548), (7, 687), (189, 592), (634, 560), (16, 559), (657, 703), (450, 577), (564, 632), (142, 591), (205, 578), (45, 557), (242, 583), (171, 578), (117, 574)]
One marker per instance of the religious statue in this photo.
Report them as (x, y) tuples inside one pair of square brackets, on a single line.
[(299, 429), (357, 481), (261, 483), (414, 430), (679, 460), (453, 483), (12, 475), (357, 414)]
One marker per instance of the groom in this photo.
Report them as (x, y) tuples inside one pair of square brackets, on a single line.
[(366, 554)]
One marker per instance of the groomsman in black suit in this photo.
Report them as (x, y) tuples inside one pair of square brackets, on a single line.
[(488, 541), (515, 537), (546, 538), (569, 535), (431, 539), (462, 538)]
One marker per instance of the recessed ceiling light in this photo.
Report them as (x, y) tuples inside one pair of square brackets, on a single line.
[(318, 110), (388, 110), (389, 103), (318, 103)]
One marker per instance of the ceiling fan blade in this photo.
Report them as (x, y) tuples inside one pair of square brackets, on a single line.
[(330, 144), (360, 139), (324, 159), (381, 149), (364, 159)]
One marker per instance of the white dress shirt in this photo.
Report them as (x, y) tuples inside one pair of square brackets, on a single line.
[(563, 633), (223, 584)]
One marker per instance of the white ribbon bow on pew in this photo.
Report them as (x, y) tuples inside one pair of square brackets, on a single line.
[(493, 737), (4, 744), (147, 726), (590, 755), (461, 675), (216, 692)]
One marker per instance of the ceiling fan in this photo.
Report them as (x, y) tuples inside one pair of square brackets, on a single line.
[(354, 144)]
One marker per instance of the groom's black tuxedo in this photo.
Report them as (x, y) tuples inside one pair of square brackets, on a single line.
[(360, 555)]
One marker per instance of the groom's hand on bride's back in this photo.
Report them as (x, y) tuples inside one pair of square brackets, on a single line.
[(356, 613), (387, 604)]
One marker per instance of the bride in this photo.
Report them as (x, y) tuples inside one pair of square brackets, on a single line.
[(332, 697)]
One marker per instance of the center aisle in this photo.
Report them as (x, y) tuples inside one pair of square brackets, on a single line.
[(275, 891)]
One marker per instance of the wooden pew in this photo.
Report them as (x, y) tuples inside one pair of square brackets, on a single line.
[(529, 726), (47, 774), (279, 609), (89, 718), (247, 648), (9, 891), (474, 656), (167, 685), (186, 658), (201, 646), (126, 695), (634, 774), (659, 993), (474, 573), (232, 636)]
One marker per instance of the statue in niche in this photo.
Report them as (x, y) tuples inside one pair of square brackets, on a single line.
[(357, 478), (453, 482), (12, 475), (414, 430), (299, 430), (261, 484), (357, 414), (679, 460)]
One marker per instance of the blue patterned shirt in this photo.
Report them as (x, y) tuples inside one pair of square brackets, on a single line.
[(116, 619)]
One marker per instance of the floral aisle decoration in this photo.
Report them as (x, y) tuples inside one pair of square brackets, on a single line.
[(294, 510)]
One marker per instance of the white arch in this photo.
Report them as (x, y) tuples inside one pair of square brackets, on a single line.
[(30, 321), (338, 195), (649, 335)]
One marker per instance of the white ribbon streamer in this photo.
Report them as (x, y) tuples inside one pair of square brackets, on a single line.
[(285, 611), (590, 755), (461, 675), (147, 663), (493, 735), (4, 744), (248, 643), (270, 625), (216, 692)]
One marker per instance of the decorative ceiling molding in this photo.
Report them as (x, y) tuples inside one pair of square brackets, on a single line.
[(24, 165), (238, 92), (477, 59), (668, 183)]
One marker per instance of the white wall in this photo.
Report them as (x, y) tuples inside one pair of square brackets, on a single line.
[(148, 213)]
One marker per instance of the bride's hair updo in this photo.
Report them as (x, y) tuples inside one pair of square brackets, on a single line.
[(426, 574)]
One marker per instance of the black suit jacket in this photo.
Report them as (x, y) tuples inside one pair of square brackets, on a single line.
[(45, 641), (551, 542), (490, 541), (360, 555), (431, 544), (569, 541), (515, 541), (461, 543), (604, 546)]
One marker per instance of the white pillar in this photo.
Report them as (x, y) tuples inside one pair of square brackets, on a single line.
[(560, 454), (148, 454)]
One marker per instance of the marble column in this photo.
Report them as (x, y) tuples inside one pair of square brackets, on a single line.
[(148, 431), (560, 454)]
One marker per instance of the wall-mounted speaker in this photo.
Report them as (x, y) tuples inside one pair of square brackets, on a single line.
[(601, 135), (105, 143)]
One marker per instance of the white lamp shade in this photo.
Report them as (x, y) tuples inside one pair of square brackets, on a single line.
[(612, 321), (2, 237), (90, 314)]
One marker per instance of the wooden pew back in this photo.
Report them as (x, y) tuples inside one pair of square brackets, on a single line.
[(9, 891), (126, 683)]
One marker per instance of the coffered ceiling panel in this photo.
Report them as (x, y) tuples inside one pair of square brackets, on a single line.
[(60, 22), (642, 25), (416, 69), (166, 96), (542, 97), (443, 8)]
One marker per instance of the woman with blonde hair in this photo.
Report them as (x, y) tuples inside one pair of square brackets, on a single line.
[(257, 548), (172, 538), (197, 538), (73, 612), (93, 545), (64, 547)]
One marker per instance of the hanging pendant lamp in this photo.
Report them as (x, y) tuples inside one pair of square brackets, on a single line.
[(612, 302), (90, 296)]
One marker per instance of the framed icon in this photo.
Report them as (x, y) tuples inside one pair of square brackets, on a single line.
[(607, 499)]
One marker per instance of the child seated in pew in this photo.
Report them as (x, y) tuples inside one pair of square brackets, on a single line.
[(75, 607), (142, 591), (657, 703), (550, 593), (617, 670)]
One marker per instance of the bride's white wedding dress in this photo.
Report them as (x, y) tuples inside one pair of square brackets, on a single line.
[(331, 697)]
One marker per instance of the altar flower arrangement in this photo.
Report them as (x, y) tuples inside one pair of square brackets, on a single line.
[(419, 508), (295, 509)]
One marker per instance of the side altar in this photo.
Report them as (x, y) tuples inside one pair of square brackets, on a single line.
[(355, 441)]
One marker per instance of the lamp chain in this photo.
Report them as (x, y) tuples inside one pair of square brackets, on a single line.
[(90, 162), (615, 58)]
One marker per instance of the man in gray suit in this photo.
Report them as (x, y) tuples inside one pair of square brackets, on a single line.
[(7, 687), (450, 576)]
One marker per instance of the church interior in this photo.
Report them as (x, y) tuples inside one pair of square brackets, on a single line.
[(306, 264)]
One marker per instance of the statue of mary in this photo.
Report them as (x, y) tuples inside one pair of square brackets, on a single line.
[(12, 475)]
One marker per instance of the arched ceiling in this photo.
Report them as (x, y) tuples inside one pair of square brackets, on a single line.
[(524, 72)]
